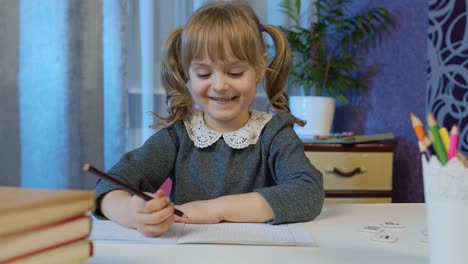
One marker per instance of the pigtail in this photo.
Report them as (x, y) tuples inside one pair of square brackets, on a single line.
[(277, 73), (174, 78)]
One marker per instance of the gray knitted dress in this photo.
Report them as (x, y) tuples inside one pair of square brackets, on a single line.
[(266, 157)]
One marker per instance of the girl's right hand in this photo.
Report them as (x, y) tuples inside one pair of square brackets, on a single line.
[(154, 217)]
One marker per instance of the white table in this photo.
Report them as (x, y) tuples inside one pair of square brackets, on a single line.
[(336, 230)]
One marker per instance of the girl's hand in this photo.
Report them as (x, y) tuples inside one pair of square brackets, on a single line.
[(200, 212), (154, 217)]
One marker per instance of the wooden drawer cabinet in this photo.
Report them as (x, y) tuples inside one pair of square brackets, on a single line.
[(360, 173)]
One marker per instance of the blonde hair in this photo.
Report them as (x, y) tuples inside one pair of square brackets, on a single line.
[(219, 30)]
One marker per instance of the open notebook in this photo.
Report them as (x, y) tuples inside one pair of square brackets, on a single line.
[(223, 233)]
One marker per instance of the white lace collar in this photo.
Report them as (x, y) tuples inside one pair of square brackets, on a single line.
[(203, 136)]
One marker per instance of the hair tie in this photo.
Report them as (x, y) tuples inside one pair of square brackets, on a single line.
[(262, 28)]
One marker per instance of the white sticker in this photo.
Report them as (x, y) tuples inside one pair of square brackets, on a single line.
[(390, 224), (385, 238), (424, 240), (424, 231), (371, 229)]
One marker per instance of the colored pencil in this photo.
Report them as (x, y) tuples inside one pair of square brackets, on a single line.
[(423, 150), (453, 142), (417, 127), (87, 167), (444, 136), (436, 141), (463, 159), (428, 144)]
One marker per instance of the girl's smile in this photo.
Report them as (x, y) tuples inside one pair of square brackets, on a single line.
[(223, 100)]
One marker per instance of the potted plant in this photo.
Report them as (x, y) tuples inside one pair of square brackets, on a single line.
[(325, 55)]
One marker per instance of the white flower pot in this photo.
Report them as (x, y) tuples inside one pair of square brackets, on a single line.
[(317, 111)]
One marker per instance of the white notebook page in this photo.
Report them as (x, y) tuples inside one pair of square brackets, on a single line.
[(223, 233), (247, 234), (105, 230)]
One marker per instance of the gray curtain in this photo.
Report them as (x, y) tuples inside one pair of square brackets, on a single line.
[(77, 79), (9, 116), (57, 86)]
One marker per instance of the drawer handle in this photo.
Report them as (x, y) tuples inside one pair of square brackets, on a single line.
[(345, 174)]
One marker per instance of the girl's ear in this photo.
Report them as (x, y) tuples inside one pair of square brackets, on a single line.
[(262, 70)]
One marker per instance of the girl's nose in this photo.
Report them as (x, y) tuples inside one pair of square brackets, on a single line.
[(219, 82)]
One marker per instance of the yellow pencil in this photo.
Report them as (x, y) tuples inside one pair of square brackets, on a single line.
[(444, 135)]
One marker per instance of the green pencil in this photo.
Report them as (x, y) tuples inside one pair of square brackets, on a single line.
[(436, 141)]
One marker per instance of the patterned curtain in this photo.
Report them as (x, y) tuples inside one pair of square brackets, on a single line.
[(447, 93)]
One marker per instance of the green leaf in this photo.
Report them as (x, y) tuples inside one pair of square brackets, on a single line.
[(335, 38)]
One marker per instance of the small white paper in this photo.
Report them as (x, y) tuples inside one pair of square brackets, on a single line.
[(390, 224), (371, 229), (385, 238)]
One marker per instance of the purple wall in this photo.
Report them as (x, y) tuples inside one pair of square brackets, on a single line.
[(421, 66), (396, 88)]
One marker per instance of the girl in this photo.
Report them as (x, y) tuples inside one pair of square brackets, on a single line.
[(227, 161)]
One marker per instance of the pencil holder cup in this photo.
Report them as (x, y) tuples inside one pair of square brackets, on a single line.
[(446, 194)]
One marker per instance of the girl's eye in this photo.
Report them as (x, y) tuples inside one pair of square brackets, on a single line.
[(203, 76), (236, 74)]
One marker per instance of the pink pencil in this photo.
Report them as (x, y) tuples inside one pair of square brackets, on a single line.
[(453, 142)]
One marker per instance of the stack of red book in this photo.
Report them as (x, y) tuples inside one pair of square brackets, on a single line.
[(45, 225)]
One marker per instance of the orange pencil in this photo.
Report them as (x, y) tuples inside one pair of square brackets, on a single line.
[(453, 142), (417, 127)]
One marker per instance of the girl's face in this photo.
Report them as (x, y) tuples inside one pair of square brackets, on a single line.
[(224, 91)]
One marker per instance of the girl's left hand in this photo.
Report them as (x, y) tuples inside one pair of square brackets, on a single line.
[(200, 212)]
